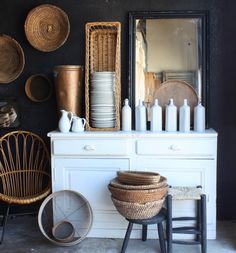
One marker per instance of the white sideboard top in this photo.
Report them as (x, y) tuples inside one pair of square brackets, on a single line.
[(133, 134)]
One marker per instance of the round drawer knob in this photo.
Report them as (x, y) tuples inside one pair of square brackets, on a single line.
[(174, 147), (89, 147)]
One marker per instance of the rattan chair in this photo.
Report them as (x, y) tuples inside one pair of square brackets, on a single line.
[(24, 170)]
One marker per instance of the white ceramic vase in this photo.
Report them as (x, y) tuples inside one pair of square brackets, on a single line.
[(126, 116), (140, 117), (156, 117), (199, 118), (184, 117), (64, 123), (78, 124), (171, 117)]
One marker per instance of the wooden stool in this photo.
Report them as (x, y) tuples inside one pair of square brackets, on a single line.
[(157, 219), (187, 193)]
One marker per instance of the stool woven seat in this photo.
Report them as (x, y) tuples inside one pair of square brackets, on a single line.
[(199, 229), (185, 192)]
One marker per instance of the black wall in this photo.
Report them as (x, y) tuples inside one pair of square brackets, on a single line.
[(41, 117)]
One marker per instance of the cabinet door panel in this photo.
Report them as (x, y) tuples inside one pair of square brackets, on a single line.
[(89, 177)]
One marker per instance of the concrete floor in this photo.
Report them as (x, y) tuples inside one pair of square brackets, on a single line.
[(23, 236)]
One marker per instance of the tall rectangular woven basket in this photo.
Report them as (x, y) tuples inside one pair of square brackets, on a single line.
[(103, 54)]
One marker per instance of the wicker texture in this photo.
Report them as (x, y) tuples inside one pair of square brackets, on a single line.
[(25, 168), (116, 183), (138, 177), (12, 59), (185, 192), (138, 196), (103, 54), (38, 88), (47, 27), (138, 211)]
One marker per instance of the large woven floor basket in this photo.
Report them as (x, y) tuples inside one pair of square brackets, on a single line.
[(141, 196), (138, 211), (138, 194), (102, 55)]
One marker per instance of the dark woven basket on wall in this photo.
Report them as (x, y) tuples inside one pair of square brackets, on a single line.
[(12, 59), (38, 88), (47, 27)]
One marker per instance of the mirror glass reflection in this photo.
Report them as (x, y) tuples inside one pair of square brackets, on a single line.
[(166, 50)]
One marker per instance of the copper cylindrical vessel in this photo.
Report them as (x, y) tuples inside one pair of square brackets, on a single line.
[(68, 86)]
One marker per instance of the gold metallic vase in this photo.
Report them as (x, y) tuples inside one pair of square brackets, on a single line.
[(68, 86)]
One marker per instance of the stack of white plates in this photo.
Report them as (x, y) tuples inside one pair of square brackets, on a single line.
[(102, 100)]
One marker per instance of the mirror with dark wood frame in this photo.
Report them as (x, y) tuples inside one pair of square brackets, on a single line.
[(168, 58)]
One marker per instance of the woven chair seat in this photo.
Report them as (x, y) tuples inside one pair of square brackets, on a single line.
[(27, 199), (185, 193)]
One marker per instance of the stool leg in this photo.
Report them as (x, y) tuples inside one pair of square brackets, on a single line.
[(127, 236), (144, 233), (199, 220), (169, 224), (161, 237), (203, 224)]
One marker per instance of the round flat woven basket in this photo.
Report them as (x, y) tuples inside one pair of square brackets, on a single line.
[(116, 183), (138, 177), (47, 27), (38, 88), (138, 211), (138, 196), (12, 59)]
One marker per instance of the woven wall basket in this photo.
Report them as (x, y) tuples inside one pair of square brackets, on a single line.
[(47, 27), (12, 59), (38, 88)]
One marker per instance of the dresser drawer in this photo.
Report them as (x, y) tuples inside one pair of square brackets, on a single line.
[(90, 147), (202, 148)]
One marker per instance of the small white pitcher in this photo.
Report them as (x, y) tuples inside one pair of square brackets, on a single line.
[(78, 124), (64, 123)]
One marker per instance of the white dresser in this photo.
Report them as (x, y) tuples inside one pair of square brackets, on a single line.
[(86, 162)]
